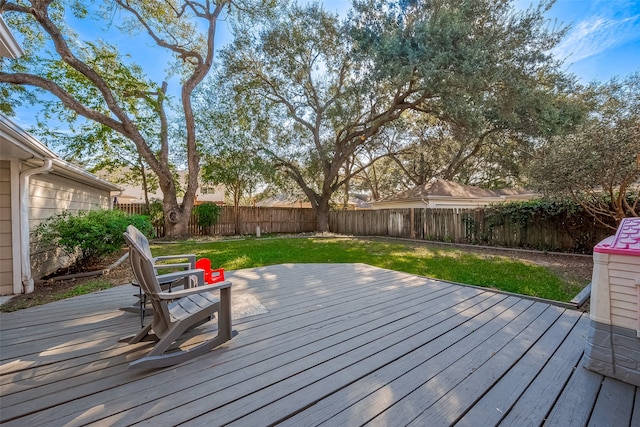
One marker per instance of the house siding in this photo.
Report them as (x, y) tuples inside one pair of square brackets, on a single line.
[(6, 262), (50, 195), (623, 272)]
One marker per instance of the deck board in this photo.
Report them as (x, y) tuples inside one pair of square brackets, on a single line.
[(537, 401), (340, 344), (573, 408), (482, 375), (617, 397)]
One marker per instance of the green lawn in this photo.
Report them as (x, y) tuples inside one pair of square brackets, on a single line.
[(448, 264)]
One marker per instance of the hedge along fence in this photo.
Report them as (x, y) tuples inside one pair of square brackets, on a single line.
[(270, 220), (562, 232)]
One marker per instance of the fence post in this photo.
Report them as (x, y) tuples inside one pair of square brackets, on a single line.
[(412, 234)]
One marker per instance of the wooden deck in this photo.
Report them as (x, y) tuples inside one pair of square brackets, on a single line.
[(340, 345)]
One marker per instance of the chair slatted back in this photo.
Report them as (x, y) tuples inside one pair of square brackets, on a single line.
[(145, 274), (141, 240)]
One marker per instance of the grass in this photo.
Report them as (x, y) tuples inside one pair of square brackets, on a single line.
[(455, 265)]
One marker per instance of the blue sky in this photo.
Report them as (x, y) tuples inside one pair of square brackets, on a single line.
[(604, 39)]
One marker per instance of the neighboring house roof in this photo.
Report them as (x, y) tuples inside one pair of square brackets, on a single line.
[(9, 47), (443, 193), (442, 188), (360, 201), (17, 144)]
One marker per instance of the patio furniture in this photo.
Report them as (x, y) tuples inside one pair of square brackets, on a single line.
[(177, 311), (166, 280), (211, 276)]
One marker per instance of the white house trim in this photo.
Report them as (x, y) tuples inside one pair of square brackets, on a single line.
[(9, 47)]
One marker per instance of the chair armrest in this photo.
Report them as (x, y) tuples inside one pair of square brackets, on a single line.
[(190, 257), (192, 291), (182, 265), (164, 279)]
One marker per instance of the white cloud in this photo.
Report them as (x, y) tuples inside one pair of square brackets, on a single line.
[(596, 35)]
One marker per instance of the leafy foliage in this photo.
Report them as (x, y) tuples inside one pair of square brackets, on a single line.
[(207, 214), (231, 156), (72, 78), (523, 213), (598, 165), (481, 79), (89, 235)]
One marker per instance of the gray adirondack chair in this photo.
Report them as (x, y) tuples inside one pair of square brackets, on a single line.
[(177, 311), (143, 242), (167, 280)]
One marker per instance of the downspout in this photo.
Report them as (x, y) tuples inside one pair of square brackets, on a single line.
[(27, 279)]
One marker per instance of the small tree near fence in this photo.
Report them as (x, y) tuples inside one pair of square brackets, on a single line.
[(207, 215)]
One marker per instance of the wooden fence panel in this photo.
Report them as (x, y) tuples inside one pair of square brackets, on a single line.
[(270, 220), (476, 226), (131, 208)]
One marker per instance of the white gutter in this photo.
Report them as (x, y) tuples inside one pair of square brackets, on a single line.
[(27, 284)]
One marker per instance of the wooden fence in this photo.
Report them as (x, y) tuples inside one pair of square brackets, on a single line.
[(561, 233), (270, 220)]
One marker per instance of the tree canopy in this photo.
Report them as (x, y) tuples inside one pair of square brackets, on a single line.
[(598, 165), (395, 94), (94, 80), (479, 74)]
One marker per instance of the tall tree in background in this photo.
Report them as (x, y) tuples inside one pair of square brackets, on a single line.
[(481, 75), (598, 166), (299, 70), (330, 89), (92, 79)]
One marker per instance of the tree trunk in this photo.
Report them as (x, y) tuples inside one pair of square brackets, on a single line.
[(236, 219), (176, 221), (322, 215)]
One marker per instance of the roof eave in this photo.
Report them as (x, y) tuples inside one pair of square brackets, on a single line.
[(9, 47)]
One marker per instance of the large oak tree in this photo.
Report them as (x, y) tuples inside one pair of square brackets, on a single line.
[(330, 88), (299, 72), (94, 80)]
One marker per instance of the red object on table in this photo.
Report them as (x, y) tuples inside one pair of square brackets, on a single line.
[(210, 276)]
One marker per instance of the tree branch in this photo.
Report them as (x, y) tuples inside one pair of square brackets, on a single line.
[(67, 99)]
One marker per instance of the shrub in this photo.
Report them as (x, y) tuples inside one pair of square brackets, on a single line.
[(207, 214), (89, 235)]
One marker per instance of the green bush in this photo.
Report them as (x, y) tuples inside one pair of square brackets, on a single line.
[(89, 235), (207, 214)]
